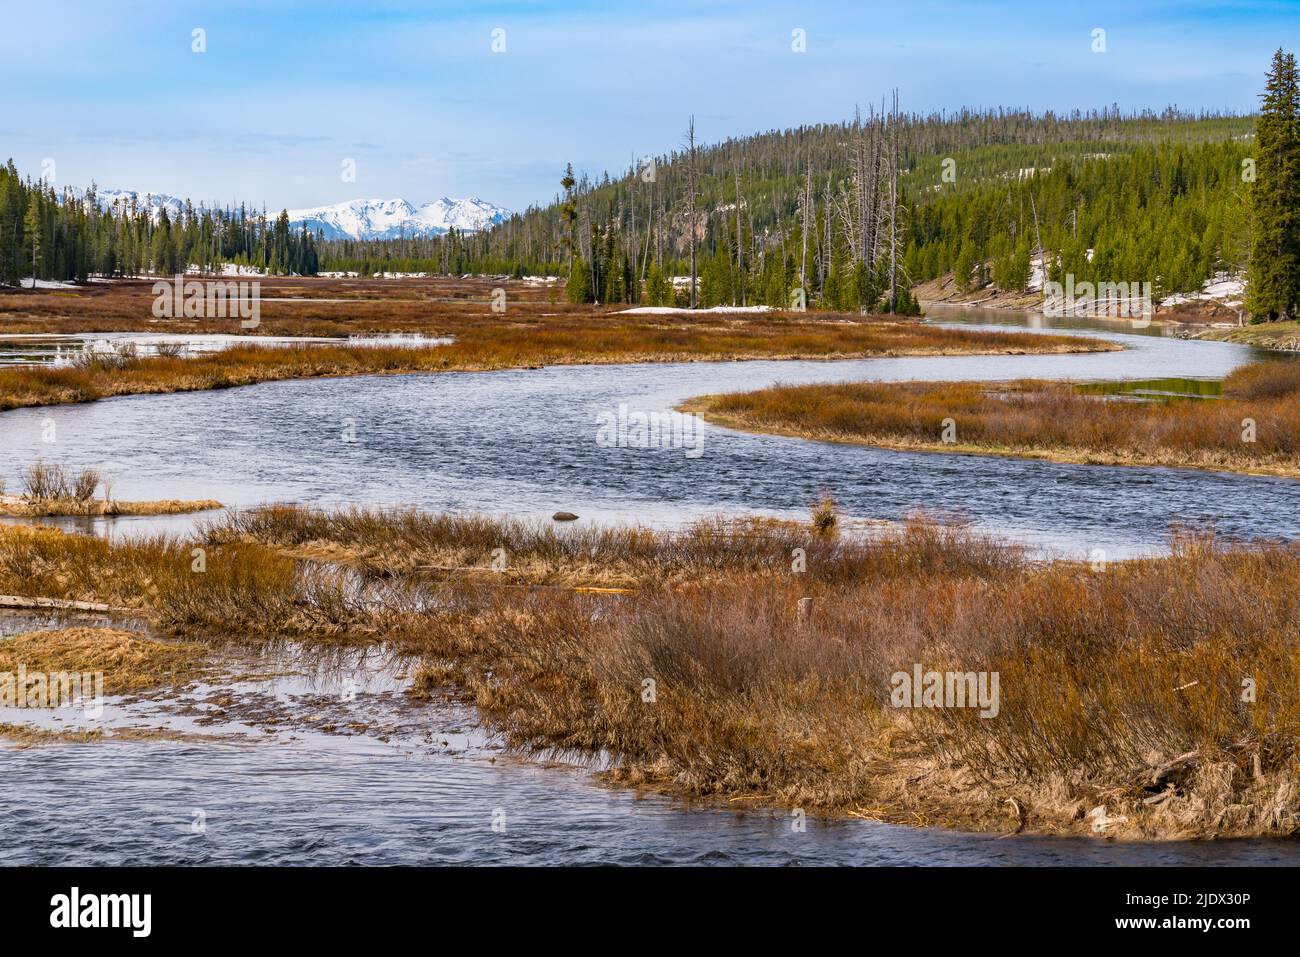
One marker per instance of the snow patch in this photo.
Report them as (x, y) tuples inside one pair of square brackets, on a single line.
[(672, 310), (1227, 288)]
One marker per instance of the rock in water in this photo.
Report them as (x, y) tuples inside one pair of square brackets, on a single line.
[(564, 517)]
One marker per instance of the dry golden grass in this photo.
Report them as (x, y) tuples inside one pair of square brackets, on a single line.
[(128, 661), (1166, 690), (189, 589), (385, 543), (18, 507), (1042, 419)]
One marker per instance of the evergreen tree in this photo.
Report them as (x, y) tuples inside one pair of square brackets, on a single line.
[(1274, 277), (658, 290), (33, 236), (578, 287)]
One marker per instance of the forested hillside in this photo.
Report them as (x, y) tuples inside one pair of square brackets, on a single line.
[(1157, 197), (70, 236), (845, 212)]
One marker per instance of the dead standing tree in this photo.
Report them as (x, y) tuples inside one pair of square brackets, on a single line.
[(807, 209), (893, 205), (690, 179), (740, 238)]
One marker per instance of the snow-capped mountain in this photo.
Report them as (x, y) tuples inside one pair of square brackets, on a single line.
[(356, 219), (391, 218), (154, 202)]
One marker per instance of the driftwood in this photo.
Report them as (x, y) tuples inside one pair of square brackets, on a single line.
[(1173, 771), (65, 604), (1021, 815)]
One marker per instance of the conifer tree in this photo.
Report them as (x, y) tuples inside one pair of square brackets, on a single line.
[(32, 233), (1274, 276)]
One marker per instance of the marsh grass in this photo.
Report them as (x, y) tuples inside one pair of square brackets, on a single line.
[(241, 592), (1255, 426), (1123, 688), (51, 490), (44, 482), (129, 662), (388, 542), (1103, 680)]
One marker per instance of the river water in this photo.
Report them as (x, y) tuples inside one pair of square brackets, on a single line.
[(525, 443)]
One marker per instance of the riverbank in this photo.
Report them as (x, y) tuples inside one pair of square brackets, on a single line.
[(1218, 306), (508, 346), (16, 506), (1117, 708), (1279, 336), (1254, 428)]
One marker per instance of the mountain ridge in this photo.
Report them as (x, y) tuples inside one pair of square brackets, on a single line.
[(395, 218), (359, 219)]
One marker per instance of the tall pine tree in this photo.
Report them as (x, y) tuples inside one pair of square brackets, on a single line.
[(1274, 277)]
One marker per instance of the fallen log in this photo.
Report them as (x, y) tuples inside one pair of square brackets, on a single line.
[(66, 604)]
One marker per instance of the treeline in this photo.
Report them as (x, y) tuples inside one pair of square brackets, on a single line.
[(851, 215), (70, 237), (846, 216), (453, 253)]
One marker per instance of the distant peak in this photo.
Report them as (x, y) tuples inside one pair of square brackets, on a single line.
[(398, 217)]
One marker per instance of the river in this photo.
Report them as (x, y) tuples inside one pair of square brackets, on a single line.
[(438, 789)]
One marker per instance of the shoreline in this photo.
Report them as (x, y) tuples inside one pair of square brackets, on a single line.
[(16, 506), (1182, 319), (702, 406)]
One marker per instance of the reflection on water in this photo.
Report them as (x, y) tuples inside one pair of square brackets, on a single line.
[(22, 622), (63, 350), (1014, 318), (1148, 390)]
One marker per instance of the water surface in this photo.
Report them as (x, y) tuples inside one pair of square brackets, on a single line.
[(525, 443)]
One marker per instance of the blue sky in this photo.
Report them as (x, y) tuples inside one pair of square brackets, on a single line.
[(413, 92)]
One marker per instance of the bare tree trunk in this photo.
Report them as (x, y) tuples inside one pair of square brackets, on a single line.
[(826, 250), (877, 133), (691, 173), (740, 239), (893, 203), (803, 255), (1038, 238), (650, 228)]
